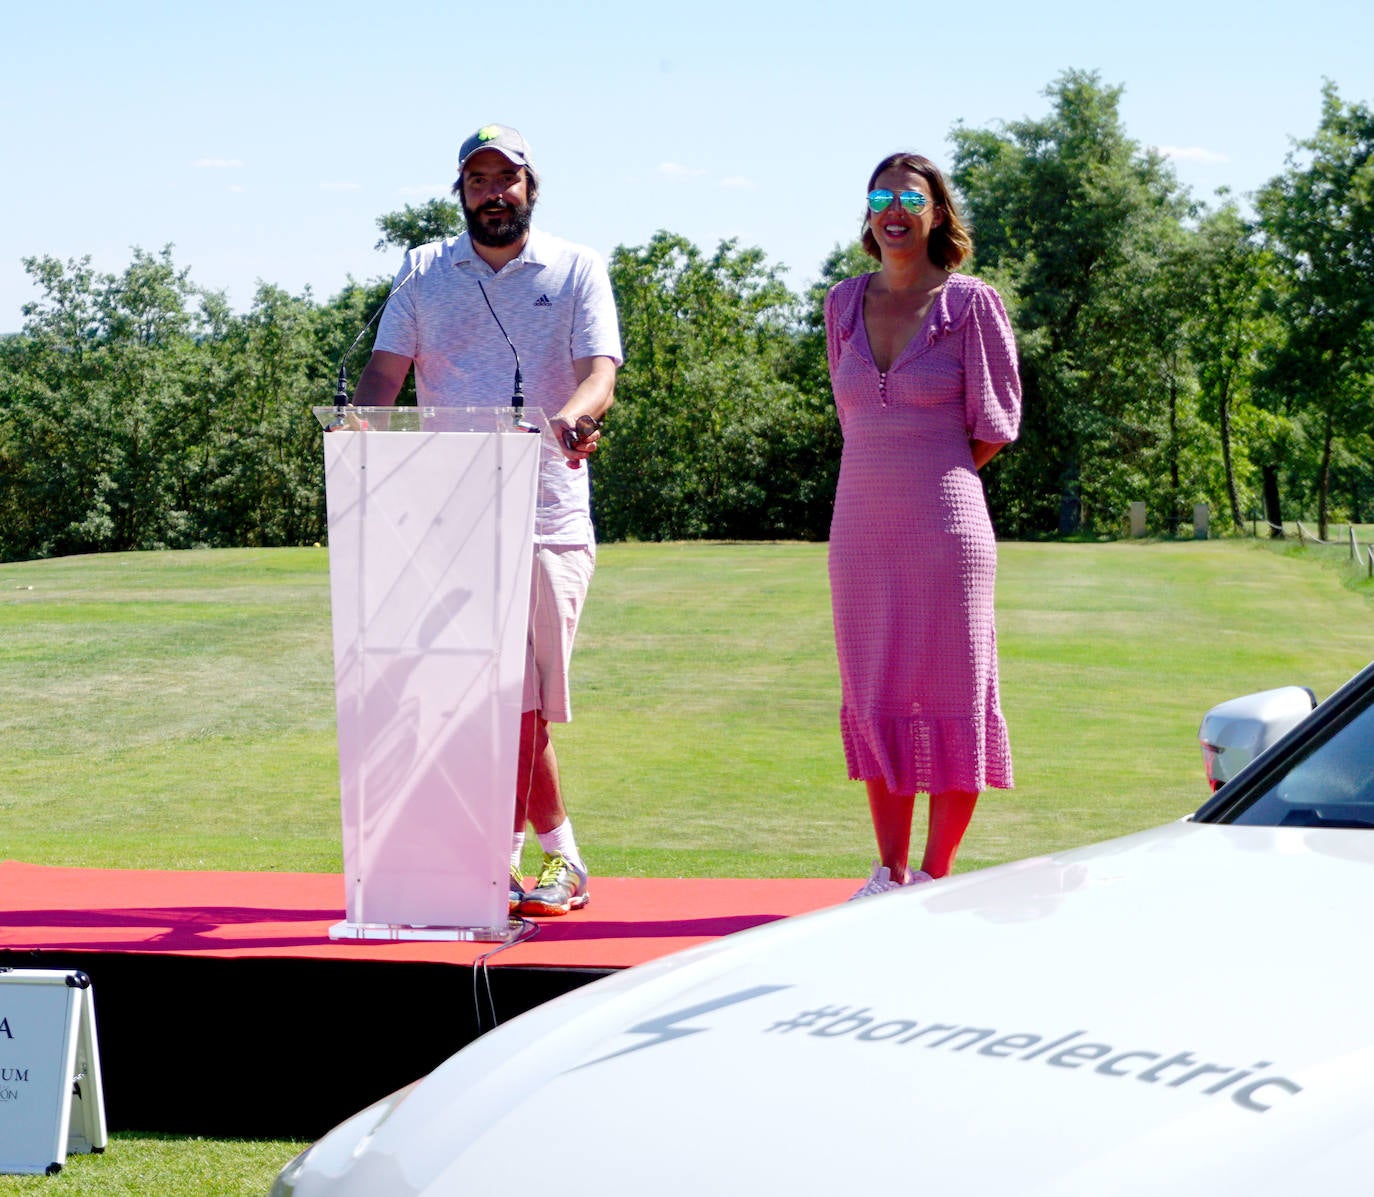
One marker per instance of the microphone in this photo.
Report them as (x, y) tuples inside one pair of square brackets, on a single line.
[(341, 390), (517, 400)]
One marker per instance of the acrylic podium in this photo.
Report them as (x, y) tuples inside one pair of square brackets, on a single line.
[(431, 522)]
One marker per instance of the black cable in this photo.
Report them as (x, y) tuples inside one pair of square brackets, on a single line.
[(517, 400), (528, 930)]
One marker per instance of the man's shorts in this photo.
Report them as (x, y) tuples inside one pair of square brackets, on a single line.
[(562, 574)]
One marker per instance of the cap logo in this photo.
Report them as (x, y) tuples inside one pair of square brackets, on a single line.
[(488, 133)]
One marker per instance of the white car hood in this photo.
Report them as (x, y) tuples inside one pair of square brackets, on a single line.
[(1184, 1007)]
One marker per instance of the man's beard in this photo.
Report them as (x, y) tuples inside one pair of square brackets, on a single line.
[(513, 225)]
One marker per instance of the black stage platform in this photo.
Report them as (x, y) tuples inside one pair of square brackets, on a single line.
[(223, 1009)]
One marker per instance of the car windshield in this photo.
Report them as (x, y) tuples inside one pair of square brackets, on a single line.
[(1331, 784)]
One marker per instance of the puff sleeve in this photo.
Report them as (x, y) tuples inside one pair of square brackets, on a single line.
[(992, 380)]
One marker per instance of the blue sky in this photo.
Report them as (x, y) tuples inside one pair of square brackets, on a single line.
[(263, 139)]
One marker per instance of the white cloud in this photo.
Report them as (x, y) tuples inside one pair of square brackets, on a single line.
[(675, 170), (1191, 153), (738, 183), (218, 163)]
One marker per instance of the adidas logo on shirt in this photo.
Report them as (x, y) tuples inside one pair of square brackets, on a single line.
[(543, 302)]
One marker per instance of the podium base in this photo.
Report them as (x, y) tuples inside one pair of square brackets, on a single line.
[(503, 934)]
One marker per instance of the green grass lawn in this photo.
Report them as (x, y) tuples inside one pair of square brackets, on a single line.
[(164, 1166), (175, 710)]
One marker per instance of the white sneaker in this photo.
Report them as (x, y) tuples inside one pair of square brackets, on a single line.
[(879, 883), (916, 876)]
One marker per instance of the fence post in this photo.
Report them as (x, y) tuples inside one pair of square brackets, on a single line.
[(1137, 518)]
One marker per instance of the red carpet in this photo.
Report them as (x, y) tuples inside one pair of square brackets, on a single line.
[(288, 915)]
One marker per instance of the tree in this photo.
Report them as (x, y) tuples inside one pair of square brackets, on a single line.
[(1317, 219), (96, 430), (50, 384), (434, 220), (1228, 325), (1069, 216), (264, 469), (707, 437), (808, 366)]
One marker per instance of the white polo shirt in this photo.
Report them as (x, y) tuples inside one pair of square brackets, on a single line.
[(555, 304)]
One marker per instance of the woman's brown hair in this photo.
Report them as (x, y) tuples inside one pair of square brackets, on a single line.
[(950, 240)]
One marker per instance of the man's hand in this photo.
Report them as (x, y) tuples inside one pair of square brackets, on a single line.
[(577, 434), (576, 438)]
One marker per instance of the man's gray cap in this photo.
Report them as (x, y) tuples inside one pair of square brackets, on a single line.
[(504, 140)]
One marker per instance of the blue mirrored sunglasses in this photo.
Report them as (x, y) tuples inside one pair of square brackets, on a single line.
[(881, 199)]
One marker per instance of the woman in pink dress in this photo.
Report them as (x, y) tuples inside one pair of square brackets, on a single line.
[(923, 366)]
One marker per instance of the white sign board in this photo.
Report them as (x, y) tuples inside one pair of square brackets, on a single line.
[(51, 1100)]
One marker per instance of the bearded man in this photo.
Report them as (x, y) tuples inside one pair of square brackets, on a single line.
[(458, 309)]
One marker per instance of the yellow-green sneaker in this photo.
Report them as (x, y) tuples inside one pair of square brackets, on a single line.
[(560, 887), (517, 888)]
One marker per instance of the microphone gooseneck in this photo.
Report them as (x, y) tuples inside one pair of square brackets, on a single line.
[(341, 389)]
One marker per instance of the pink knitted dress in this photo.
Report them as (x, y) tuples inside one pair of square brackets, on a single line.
[(913, 561)]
